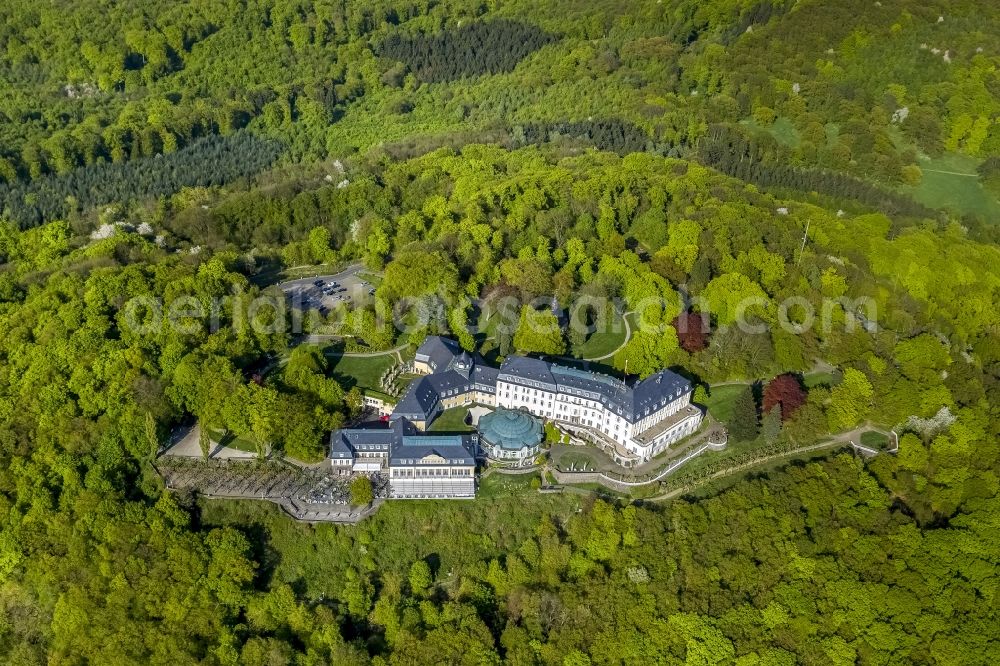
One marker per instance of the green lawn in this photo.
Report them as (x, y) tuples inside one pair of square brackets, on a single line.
[(953, 190), (231, 441), (716, 486), (874, 439), (499, 485), (486, 336), (578, 461), (949, 181), (603, 342), (361, 371), (452, 420), (374, 279), (721, 400), (604, 492), (818, 379)]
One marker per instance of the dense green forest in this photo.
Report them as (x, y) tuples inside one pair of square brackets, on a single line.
[(678, 159), (895, 561), (877, 92)]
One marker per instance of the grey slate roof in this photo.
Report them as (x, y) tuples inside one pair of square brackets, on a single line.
[(449, 381), (657, 390), (339, 448), (485, 378), (456, 449), (458, 374), (345, 443), (438, 352), (420, 400), (630, 402), (402, 442), (527, 371)]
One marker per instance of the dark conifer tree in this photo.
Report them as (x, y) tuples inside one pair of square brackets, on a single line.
[(744, 424)]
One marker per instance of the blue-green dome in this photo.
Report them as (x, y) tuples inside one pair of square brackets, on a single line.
[(511, 430)]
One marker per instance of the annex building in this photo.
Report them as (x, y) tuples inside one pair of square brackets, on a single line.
[(419, 464)]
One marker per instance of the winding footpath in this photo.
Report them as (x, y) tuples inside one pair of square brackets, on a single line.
[(620, 485), (844, 438), (952, 173), (282, 360)]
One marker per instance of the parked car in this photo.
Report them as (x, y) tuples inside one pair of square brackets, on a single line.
[(318, 283)]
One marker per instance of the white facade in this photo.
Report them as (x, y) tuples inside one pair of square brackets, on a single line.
[(594, 415), (632, 422), (433, 477)]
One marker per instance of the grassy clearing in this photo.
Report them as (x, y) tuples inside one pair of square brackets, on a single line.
[(603, 342), (579, 462), (500, 485), (361, 371), (761, 471), (458, 533), (721, 400), (950, 181), (452, 420), (404, 380), (819, 379), (229, 440), (874, 439)]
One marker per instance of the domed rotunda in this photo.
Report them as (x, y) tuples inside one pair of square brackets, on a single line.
[(507, 435)]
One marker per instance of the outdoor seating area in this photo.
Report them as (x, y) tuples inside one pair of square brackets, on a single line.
[(263, 479)]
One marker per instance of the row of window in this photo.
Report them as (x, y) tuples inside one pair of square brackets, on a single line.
[(420, 473), (378, 449), (675, 434), (437, 461), (430, 496), (500, 452)]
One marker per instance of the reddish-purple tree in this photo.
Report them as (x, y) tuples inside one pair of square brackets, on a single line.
[(692, 330), (784, 390)]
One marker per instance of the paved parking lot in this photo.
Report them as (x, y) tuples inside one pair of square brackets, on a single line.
[(326, 292)]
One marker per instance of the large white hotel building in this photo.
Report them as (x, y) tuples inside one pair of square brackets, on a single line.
[(633, 423)]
